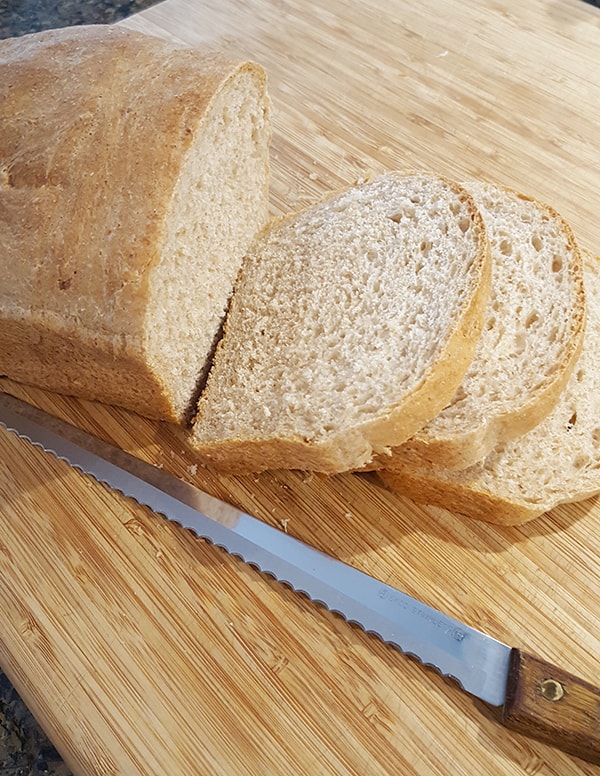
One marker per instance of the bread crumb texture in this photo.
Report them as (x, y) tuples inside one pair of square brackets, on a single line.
[(531, 339), (134, 176), (342, 318), (556, 462)]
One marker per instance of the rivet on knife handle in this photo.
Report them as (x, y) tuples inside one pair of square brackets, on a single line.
[(547, 703)]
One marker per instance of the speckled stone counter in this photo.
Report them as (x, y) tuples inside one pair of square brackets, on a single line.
[(24, 749), (18, 17)]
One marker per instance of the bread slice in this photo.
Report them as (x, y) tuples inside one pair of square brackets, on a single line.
[(555, 463), (530, 342), (133, 176), (351, 326)]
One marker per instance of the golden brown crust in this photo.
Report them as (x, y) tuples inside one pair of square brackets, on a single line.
[(245, 456), (52, 356), (95, 122), (487, 507)]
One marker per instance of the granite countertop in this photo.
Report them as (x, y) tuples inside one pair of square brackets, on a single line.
[(18, 17), (24, 749)]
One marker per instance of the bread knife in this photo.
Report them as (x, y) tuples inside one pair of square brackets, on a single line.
[(532, 696)]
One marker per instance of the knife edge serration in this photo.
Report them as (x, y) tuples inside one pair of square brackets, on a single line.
[(478, 663), (266, 571)]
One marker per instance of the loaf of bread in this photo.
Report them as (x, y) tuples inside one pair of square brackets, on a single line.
[(352, 324), (530, 342), (557, 462), (133, 176)]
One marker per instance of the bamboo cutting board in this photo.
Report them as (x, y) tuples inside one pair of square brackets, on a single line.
[(142, 650)]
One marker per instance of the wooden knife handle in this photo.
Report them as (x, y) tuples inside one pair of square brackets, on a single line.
[(547, 703)]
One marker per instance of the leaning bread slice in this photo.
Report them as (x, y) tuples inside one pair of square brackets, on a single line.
[(351, 326), (530, 342), (133, 176), (557, 462)]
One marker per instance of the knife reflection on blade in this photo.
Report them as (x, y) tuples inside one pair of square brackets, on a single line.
[(537, 698)]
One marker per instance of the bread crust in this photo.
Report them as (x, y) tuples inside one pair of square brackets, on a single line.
[(470, 502), (355, 447), (95, 123), (463, 447), (556, 462)]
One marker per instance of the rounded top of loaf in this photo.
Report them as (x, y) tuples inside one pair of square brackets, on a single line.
[(94, 124)]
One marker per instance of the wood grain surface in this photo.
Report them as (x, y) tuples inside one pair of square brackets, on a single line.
[(143, 650)]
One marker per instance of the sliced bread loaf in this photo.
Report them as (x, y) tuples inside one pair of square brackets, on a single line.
[(556, 462), (133, 176), (530, 342), (351, 326)]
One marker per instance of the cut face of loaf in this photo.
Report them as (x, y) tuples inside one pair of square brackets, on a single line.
[(351, 326), (557, 462), (531, 339), (133, 176)]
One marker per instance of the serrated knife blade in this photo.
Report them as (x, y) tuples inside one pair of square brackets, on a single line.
[(538, 699)]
